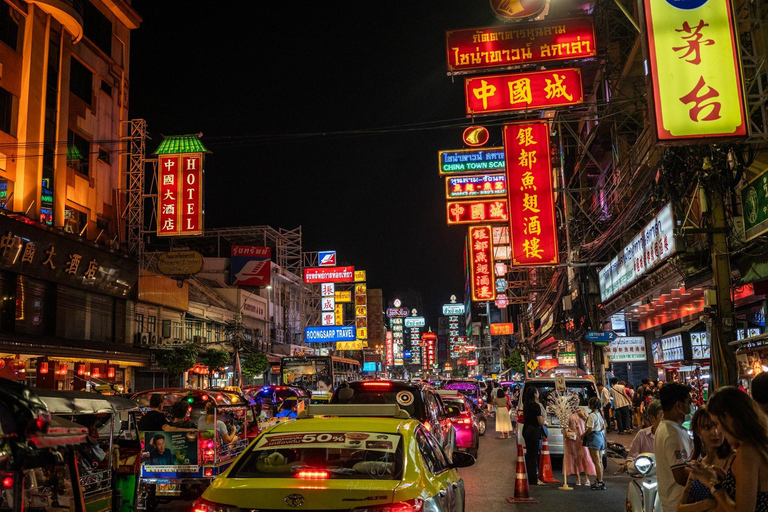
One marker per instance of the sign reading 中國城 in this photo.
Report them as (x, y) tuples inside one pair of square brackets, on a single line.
[(505, 46), (502, 329), (626, 349), (532, 224), (754, 198), (180, 194), (694, 69), (488, 94), (329, 275), (469, 161), (476, 212), (480, 185), (481, 263), (250, 266), (655, 243), (329, 333)]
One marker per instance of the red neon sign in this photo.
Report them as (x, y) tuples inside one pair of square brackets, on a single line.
[(389, 352), (476, 212), (329, 275), (532, 226), (523, 91), (481, 263), (525, 43), (180, 194), (502, 329)]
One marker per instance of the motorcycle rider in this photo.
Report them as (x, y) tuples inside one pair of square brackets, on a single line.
[(672, 445), (644, 439)]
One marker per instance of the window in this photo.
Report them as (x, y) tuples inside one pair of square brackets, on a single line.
[(166, 329), (9, 111), (81, 81), (198, 329), (140, 322), (74, 220), (78, 152), (104, 155), (217, 330), (151, 324), (208, 329), (189, 331), (177, 330), (97, 28), (11, 26), (106, 88), (432, 455)]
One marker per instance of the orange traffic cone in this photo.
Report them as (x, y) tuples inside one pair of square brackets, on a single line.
[(522, 494), (545, 464)]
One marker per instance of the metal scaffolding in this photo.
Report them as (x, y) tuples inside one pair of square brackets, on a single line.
[(135, 135)]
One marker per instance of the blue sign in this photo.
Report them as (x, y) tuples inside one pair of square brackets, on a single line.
[(329, 333), (601, 336), (407, 354), (501, 285), (326, 258), (369, 367)]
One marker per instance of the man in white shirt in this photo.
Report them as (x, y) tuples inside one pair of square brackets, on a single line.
[(673, 446), (621, 405)]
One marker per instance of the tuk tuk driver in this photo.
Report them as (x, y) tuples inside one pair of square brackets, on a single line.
[(206, 422)]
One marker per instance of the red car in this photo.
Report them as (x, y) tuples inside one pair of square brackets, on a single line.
[(460, 411)]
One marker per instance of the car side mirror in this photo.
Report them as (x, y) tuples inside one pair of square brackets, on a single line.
[(462, 459), (452, 412)]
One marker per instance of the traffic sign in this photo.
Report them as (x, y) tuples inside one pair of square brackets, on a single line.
[(601, 336), (532, 365)]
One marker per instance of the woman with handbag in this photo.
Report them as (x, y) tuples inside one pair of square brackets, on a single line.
[(503, 423), (594, 439)]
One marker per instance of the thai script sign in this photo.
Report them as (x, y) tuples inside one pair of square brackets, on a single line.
[(655, 243), (511, 45), (754, 198), (453, 309), (477, 212), (481, 263), (343, 296), (180, 194), (481, 185), (694, 68), (532, 226), (329, 333), (626, 349), (397, 312), (329, 275), (468, 161), (415, 321), (487, 94), (180, 263), (502, 329), (250, 266)]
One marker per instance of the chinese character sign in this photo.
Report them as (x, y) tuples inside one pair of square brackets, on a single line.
[(533, 228), (695, 71), (523, 91), (180, 194), (477, 212), (481, 263), (388, 340)]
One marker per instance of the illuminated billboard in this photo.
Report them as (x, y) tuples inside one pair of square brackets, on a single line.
[(329, 275), (476, 212), (180, 194), (470, 161), (481, 263), (480, 185), (329, 333)]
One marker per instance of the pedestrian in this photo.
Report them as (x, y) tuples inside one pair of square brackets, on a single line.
[(577, 457), (532, 431), (490, 396), (744, 486), (605, 401), (594, 439), (672, 446), (644, 439), (760, 391), (180, 422), (621, 404), (154, 419), (711, 449), (503, 423)]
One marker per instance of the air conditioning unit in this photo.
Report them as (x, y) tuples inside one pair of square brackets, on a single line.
[(153, 339), (166, 341), (142, 338)]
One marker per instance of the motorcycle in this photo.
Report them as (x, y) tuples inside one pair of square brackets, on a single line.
[(642, 493)]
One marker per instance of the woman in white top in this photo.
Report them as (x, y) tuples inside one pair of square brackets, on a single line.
[(594, 439), (206, 422)]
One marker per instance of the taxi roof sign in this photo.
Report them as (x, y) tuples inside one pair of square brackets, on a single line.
[(352, 410)]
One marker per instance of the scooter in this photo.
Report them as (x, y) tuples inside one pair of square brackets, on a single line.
[(642, 493)]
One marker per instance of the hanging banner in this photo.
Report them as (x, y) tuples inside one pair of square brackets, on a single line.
[(526, 43), (481, 263), (532, 226), (180, 194), (477, 212), (488, 94), (694, 70), (470, 161), (481, 185)]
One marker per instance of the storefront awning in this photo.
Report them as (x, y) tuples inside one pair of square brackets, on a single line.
[(76, 350), (690, 326)]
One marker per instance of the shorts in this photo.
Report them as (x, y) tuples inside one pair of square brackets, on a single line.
[(596, 441)]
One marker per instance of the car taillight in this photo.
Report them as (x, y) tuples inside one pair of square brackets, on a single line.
[(313, 475), (203, 505), (377, 385), (7, 480), (416, 505), (463, 420)]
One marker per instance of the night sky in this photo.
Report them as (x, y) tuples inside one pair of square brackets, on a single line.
[(327, 115)]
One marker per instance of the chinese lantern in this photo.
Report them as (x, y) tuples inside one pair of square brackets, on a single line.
[(2, 363), (95, 372), (62, 369), (43, 367), (111, 372), (80, 369)]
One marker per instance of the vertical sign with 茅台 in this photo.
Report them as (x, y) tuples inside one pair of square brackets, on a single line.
[(180, 194), (250, 266), (532, 225), (694, 69), (481, 263)]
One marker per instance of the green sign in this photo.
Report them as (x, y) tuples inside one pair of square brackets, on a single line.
[(754, 199)]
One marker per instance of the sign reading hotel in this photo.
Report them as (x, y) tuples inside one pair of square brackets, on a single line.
[(477, 212), (523, 91), (180, 194), (329, 333), (526, 43), (481, 263), (694, 69), (480, 185), (532, 226), (470, 161), (655, 243), (329, 275)]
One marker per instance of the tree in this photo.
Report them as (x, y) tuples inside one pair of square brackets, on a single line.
[(254, 365), (178, 360), (515, 361), (215, 359)]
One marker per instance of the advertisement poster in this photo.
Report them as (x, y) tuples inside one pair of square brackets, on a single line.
[(170, 452)]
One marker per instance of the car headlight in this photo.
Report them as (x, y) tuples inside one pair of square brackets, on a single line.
[(643, 465)]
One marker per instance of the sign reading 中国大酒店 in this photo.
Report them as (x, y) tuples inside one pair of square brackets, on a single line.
[(477, 212), (754, 198), (626, 349), (525, 43), (479, 185), (481, 263), (180, 194), (532, 90), (469, 161), (656, 242), (532, 224), (694, 69), (329, 333), (329, 275)]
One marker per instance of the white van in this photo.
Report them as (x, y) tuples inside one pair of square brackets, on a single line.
[(583, 387)]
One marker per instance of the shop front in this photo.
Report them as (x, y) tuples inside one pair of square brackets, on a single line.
[(683, 355)]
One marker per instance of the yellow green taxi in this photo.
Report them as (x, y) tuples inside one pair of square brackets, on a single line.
[(355, 458)]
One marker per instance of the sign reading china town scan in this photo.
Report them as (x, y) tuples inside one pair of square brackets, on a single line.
[(180, 194), (523, 91), (694, 69), (472, 49), (532, 225), (481, 263), (329, 275), (470, 161), (476, 212)]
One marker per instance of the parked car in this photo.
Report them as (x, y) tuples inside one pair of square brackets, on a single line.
[(469, 388), (460, 412), (421, 402), (583, 387)]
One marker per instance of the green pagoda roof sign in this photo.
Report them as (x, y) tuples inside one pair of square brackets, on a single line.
[(179, 144)]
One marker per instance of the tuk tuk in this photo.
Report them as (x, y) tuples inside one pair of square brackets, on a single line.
[(272, 397), (180, 463)]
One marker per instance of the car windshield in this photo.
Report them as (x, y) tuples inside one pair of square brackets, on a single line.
[(584, 390), (455, 402), (323, 455), (407, 398)]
